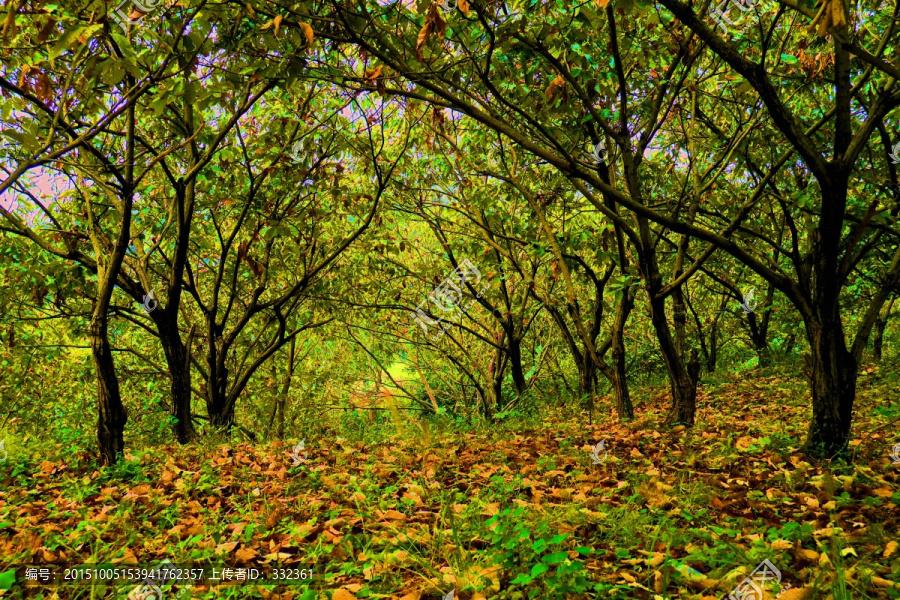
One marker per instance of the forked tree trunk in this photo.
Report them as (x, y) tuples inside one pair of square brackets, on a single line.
[(832, 372), (111, 413)]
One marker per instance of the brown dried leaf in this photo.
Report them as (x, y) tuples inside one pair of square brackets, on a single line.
[(557, 85), (46, 30), (434, 24)]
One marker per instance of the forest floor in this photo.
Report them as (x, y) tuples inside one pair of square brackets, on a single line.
[(494, 513)]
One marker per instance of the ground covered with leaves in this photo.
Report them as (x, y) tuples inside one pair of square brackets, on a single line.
[(415, 509)]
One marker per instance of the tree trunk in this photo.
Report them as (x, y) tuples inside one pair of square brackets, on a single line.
[(179, 362), (515, 364), (221, 415), (880, 325), (111, 413), (220, 410), (683, 386), (679, 318), (759, 341), (619, 380), (282, 399), (832, 372), (587, 377)]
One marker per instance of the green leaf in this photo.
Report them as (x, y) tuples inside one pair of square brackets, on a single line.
[(539, 569), (555, 557), (789, 59), (7, 579)]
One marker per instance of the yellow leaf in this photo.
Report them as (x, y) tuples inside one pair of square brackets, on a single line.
[(890, 549), (343, 594), (807, 554), (781, 545), (464, 7), (659, 585), (796, 594), (308, 31), (277, 22)]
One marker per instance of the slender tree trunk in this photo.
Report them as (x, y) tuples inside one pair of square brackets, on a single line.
[(619, 357), (587, 376), (713, 347), (179, 362), (679, 319), (759, 340), (282, 398), (878, 342), (683, 386), (111, 413), (515, 364), (880, 326)]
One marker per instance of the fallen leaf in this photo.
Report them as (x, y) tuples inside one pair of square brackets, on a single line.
[(796, 594)]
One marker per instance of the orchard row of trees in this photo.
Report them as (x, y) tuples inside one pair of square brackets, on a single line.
[(619, 174)]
